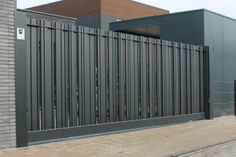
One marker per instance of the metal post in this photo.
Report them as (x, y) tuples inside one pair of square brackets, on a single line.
[(21, 104), (235, 97), (208, 105)]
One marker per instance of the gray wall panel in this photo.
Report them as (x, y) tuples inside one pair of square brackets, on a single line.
[(221, 37), (183, 27)]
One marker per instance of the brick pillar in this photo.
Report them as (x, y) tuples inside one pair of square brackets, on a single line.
[(7, 74)]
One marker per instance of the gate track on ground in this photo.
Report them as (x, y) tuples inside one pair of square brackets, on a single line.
[(203, 148)]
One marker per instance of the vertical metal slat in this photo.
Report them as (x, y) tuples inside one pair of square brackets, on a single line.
[(58, 76), (48, 77), (143, 79)]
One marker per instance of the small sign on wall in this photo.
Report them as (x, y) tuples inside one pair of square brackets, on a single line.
[(20, 34)]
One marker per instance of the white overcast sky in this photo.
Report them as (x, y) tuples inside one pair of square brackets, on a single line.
[(225, 7)]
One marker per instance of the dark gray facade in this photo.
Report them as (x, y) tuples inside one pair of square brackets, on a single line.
[(100, 22), (39, 15), (200, 27), (186, 27), (219, 34)]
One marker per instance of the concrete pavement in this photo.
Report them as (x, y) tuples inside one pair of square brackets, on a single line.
[(158, 142)]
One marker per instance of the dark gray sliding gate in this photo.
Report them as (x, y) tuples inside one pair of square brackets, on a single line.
[(82, 81)]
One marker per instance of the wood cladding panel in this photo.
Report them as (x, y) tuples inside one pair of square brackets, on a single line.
[(121, 9), (126, 9), (71, 8)]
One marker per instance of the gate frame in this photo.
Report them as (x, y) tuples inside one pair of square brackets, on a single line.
[(25, 137), (36, 137), (206, 64), (234, 97), (21, 81)]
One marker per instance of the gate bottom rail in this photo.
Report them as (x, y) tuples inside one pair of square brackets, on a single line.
[(36, 137)]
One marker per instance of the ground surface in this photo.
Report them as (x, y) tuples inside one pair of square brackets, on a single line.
[(227, 149), (208, 138)]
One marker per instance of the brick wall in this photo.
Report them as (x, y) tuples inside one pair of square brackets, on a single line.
[(7, 76)]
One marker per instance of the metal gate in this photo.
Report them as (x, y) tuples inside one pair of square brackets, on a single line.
[(81, 81)]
